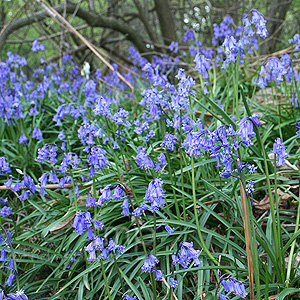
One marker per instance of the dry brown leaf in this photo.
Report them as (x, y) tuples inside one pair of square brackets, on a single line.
[(62, 225), (264, 204), (67, 222)]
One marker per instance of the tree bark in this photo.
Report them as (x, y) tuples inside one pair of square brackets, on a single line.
[(91, 18), (275, 17), (166, 21)]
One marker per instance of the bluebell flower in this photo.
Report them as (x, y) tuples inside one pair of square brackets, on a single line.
[(99, 224), (98, 243), (245, 131), (279, 150), (297, 132), (158, 274), (3, 201), (173, 47), (222, 297), (2, 255), (136, 57), (250, 187), (118, 193), (162, 161), (53, 177), (105, 195), (169, 229), (173, 282), (5, 211), (142, 159), (185, 255), (232, 285), (169, 141), (149, 263), (37, 47), (23, 139), (202, 65), (10, 279), (127, 297), (90, 201), (97, 158), (37, 134), (8, 184), (19, 295), (137, 212), (61, 136), (189, 36), (125, 205), (155, 194), (4, 165)]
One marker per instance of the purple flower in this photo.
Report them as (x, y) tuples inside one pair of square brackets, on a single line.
[(10, 279), (4, 165), (99, 224), (169, 229), (298, 129), (97, 158), (127, 297), (23, 139), (250, 187), (222, 297), (173, 282), (37, 47), (61, 135), (90, 201), (155, 194), (142, 159), (158, 274), (125, 205), (202, 65), (19, 295), (169, 141), (186, 254), (5, 211), (37, 134), (279, 150), (2, 255), (174, 47), (232, 285), (245, 131), (189, 35), (118, 193), (149, 263)]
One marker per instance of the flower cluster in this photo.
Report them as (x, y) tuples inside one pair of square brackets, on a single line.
[(232, 285), (279, 150), (185, 255)]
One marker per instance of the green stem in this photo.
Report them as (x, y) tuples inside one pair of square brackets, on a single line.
[(289, 267), (154, 253), (13, 256), (172, 181), (272, 209), (105, 279), (119, 274), (196, 216)]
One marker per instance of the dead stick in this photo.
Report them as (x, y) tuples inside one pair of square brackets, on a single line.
[(48, 186), (247, 239)]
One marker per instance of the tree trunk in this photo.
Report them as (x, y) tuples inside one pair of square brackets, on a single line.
[(275, 17), (166, 21)]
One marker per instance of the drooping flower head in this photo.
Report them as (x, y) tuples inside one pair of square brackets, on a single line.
[(279, 150)]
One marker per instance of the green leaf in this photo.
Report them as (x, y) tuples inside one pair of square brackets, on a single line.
[(286, 292)]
